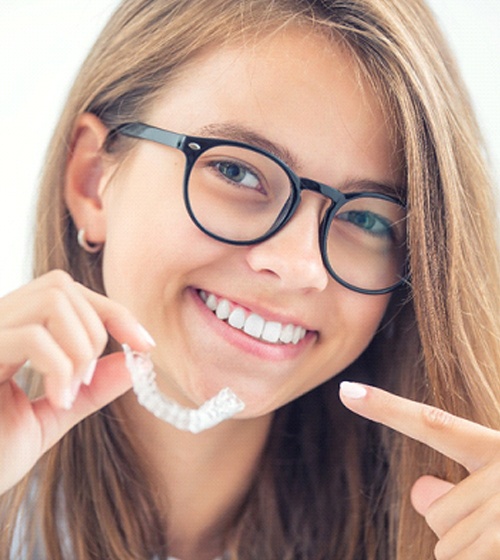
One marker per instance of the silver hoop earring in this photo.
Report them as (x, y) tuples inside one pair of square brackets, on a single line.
[(84, 244)]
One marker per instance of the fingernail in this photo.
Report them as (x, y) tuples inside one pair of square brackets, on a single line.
[(68, 395), (75, 387), (353, 390), (146, 336), (89, 374)]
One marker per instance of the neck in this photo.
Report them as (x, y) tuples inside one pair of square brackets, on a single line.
[(202, 479)]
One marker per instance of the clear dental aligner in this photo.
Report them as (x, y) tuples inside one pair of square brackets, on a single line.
[(213, 411)]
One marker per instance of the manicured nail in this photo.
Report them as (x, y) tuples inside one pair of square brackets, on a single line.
[(68, 395), (75, 387), (146, 336), (353, 390), (89, 374)]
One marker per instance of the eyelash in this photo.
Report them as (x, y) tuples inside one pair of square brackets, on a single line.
[(245, 167)]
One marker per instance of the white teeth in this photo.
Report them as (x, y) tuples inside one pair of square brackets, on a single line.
[(271, 332), (287, 334), (297, 335), (237, 318), (223, 309), (211, 302), (253, 325)]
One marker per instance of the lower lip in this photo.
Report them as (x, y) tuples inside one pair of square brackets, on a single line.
[(250, 345)]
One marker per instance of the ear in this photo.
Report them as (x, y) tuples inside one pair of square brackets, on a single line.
[(87, 173)]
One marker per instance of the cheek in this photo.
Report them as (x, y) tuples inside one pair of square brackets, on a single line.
[(365, 312), (145, 197), (143, 233), (152, 246), (350, 321), (359, 317)]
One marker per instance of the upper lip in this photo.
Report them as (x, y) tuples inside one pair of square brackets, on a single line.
[(262, 310)]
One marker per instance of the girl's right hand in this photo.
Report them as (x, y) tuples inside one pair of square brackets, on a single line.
[(62, 328)]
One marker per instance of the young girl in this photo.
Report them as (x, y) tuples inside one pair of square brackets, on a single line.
[(286, 195)]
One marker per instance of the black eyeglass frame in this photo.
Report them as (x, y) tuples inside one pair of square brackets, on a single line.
[(194, 146)]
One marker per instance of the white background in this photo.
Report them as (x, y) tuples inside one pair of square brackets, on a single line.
[(42, 43)]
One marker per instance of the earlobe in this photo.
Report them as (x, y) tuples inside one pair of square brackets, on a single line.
[(87, 173)]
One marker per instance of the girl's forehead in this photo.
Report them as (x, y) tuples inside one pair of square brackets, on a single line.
[(299, 89), (300, 92), (284, 71)]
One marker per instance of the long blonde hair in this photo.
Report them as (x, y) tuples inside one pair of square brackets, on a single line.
[(306, 502)]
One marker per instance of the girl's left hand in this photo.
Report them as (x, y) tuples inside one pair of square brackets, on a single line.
[(466, 516)]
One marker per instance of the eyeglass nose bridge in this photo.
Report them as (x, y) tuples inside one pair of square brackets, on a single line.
[(336, 197), (328, 192), (301, 184)]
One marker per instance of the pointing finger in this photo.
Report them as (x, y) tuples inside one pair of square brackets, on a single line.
[(466, 442)]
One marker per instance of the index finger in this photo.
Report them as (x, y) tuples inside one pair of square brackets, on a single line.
[(464, 441)]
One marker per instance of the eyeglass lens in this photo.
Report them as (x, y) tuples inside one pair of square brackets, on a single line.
[(238, 195)]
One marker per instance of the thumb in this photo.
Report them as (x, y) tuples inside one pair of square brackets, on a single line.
[(426, 491), (111, 379)]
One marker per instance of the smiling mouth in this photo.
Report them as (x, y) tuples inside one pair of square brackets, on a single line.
[(252, 324)]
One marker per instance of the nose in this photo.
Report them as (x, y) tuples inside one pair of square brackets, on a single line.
[(293, 256)]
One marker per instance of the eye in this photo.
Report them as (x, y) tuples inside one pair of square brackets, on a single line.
[(238, 173), (367, 221)]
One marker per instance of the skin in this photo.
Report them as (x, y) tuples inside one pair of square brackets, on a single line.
[(464, 517), (154, 258), (339, 137), (61, 327)]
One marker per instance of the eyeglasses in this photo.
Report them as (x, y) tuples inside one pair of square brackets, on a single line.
[(241, 194)]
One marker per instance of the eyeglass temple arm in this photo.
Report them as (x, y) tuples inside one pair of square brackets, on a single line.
[(147, 132)]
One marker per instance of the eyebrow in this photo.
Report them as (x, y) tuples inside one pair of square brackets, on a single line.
[(393, 190), (239, 133)]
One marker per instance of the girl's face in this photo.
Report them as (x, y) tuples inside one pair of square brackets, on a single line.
[(293, 90)]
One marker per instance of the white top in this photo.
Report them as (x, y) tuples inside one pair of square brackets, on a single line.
[(19, 549)]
